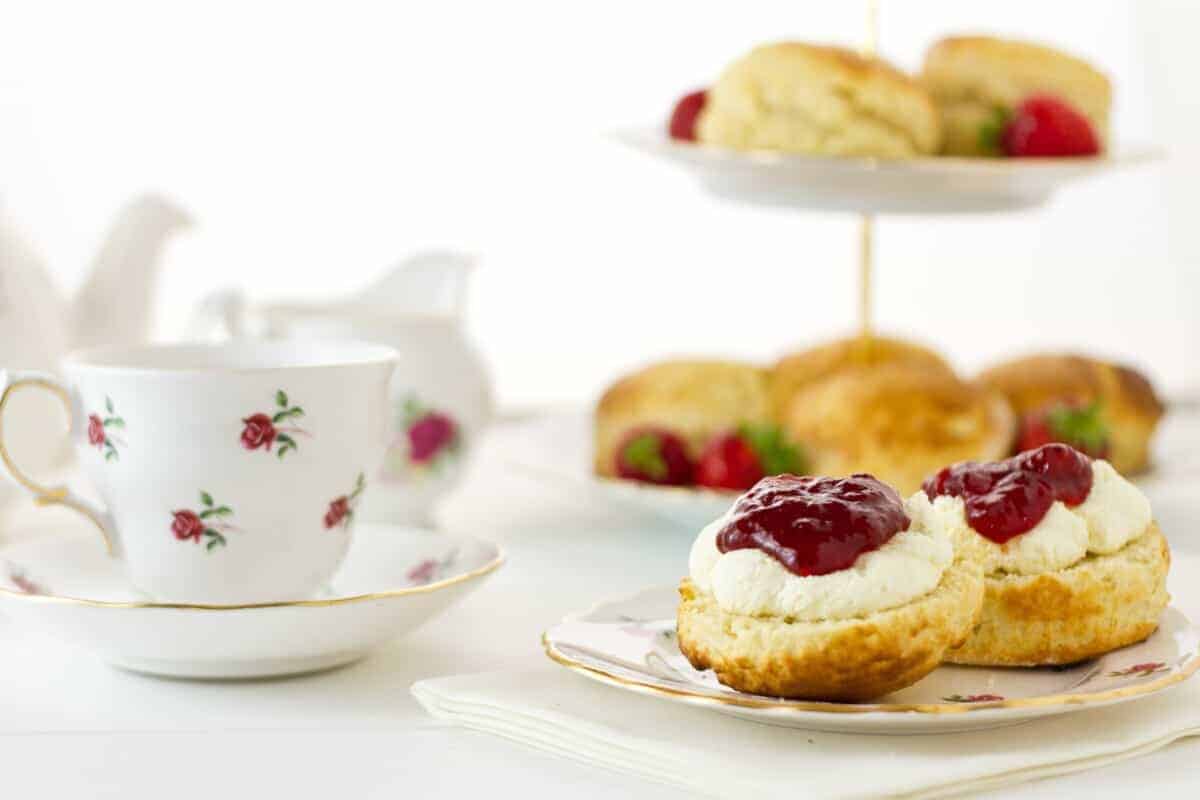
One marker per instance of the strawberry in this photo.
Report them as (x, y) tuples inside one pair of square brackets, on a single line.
[(653, 455), (1042, 125), (683, 118), (740, 459), (1077, 425)]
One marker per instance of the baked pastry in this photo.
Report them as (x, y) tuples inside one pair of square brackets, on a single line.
[(798, 370), (1074, 565), (900, 422), (823, 588), (1105, 409), (977, 82), (691, 401), (806, 98)]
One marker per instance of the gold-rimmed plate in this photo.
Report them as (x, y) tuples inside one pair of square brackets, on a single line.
[(630, 644), (925, 185), (394, 579)]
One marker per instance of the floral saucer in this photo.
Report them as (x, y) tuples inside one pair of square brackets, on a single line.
[(631, 644), (925, 185), (394, 579)]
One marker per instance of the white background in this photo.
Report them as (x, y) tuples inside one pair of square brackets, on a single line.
[(315, 144)]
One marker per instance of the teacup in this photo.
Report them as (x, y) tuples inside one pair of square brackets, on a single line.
[(229, 474)]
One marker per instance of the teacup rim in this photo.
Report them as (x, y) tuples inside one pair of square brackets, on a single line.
[(279, 354)]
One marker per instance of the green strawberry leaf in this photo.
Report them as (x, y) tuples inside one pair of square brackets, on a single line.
[(281, 398), (643, 453), (775, 453), (206, 498), (114, 422), (286, 440), (1083, 427), (220, 511), (992, 130)]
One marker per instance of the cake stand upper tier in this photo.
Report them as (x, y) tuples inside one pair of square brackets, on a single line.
[(927, 185)]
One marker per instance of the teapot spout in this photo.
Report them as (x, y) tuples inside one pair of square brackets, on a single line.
[(113, 307), (432, 282)]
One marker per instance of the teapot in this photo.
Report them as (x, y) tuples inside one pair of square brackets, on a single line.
[(440, 393), (38, 325)]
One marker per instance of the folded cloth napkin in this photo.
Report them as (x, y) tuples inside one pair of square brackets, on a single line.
[(557, 711)]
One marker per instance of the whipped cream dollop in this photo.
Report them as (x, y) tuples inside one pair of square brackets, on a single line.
[(1114, 513), (751, 582)]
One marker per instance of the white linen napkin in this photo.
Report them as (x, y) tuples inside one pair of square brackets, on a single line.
[(557, 711)]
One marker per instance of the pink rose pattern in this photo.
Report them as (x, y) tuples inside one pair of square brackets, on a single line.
[(341, 509), (431, 433), (100, 431), (209, 525), (427, 571), (264, 430), (972, 698), (1140, 670)]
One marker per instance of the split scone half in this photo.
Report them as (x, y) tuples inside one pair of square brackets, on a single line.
[(879, 624), (974, 78), (1086, 579), (816, 99), (695, 398)]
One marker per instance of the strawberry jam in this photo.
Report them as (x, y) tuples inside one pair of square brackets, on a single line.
[(814, 526), (1007, 498)]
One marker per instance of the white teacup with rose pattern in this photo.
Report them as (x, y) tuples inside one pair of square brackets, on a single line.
[(229, 474)]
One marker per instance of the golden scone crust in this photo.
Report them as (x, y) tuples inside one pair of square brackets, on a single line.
[(696, 399), (898, 422), (970, 77), (1128, 404), (838, 660), (805, 98), (797, 370), (1100, 604)]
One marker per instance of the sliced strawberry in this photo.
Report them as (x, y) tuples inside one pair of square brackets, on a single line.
[(653, 455), (740, 460), (729, 462), (683, 118), (1080, 426), (1044, 125)]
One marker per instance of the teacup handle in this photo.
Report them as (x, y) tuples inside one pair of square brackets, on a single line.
[(10, 382)]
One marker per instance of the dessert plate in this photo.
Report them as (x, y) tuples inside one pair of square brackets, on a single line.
[(927, 185), (631, 644), (393, 580)]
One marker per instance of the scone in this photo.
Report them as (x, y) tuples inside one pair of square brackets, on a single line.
[(1105, 409), (806, 367), (1074, 565), (683, 404), (976, 80), (824, 589), (806, 98), (899, 422)]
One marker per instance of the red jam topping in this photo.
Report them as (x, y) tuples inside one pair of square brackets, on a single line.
[(1007, 498), (814, 526)]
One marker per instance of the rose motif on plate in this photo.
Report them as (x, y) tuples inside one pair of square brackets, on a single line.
[(262, 430), (101, 429)]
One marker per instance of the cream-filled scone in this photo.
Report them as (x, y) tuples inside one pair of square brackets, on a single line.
[(824, 588), (1008, 97), (1074, 565)]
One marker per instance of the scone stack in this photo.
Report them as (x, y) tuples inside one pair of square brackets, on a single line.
[(835, 589)]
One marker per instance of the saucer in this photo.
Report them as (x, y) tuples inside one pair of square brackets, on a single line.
[(394, 579), (630, 644), (923, 185)]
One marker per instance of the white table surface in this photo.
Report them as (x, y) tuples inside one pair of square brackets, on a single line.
[(72, 727)]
